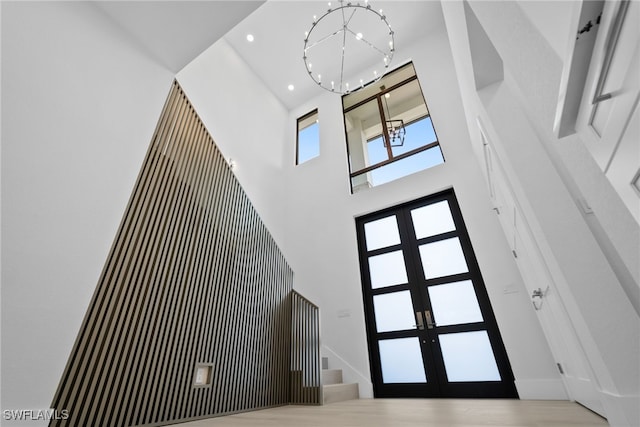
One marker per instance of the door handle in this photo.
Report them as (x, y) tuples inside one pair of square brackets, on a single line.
[(430, 322), (419, 322)]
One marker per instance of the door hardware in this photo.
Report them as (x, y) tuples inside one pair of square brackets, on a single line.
[(538, 293), (419, 322), (430, 323)]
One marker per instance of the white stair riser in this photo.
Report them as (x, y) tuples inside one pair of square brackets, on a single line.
[(331, 376), (340, 392)]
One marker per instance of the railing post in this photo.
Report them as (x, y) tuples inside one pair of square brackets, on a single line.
[(305, 371)]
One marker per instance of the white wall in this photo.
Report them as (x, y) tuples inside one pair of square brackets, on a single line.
[(593, 262), (552, 25), (246, 122), (79, 107), (321, 239)]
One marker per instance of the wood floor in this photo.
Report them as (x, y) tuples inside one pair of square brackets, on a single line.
[(416, 412)]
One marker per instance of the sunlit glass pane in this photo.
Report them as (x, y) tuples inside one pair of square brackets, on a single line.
[(382, 233), (387, 270), (401, 361), (442, 258), (468, 357), (394, 312)]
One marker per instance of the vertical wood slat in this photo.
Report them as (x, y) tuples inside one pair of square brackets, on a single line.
[(103, 292), (193, 277), (305, 376)]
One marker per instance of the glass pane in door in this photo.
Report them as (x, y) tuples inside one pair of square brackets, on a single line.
[(382, 233), (401, 360), (432, 219), (442, 258), (454, 303), (468, 357), (387, 270), (394, 311)]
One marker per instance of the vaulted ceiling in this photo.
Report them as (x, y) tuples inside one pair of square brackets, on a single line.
[(176, 32)]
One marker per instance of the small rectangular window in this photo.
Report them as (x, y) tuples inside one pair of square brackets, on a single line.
[(308, 138), (389, 130)]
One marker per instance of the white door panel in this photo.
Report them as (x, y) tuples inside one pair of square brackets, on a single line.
[(611, 130), (552, 315)]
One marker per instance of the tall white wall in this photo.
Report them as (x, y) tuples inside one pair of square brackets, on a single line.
[(321, 240), (247, 123), (552, 25), (593, 261), (79, 106)]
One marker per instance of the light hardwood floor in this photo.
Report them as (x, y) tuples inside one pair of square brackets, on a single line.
[(416, 412)]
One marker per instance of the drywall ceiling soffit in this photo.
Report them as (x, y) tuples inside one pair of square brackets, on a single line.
[(176, 32), (278, 27), (487, 64)]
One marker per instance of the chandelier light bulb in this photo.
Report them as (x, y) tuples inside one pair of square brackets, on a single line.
[(325, 44)]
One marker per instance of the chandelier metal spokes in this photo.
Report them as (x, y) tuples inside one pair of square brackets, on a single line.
[(347, 47)]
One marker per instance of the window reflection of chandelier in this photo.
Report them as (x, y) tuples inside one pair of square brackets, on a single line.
[(348, 46), (395, 128), (396, 131)]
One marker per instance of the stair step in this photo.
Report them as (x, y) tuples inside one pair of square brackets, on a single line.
[(333, 393), (331, 376)]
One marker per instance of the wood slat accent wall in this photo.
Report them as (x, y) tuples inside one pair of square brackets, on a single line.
[(193, 277), (306, 380)]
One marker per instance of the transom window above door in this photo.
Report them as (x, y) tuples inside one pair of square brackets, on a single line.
[(389, 130)]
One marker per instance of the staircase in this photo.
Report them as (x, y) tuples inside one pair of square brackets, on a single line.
[(333, 389)]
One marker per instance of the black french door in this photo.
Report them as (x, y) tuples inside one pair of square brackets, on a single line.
[(431, 330)]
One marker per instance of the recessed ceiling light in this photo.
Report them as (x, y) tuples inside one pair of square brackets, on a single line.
[(290, 87), (250, 37)]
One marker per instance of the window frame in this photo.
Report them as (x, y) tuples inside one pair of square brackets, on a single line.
[(378, 97), (301, 119)]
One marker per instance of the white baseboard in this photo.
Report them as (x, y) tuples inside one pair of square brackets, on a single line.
[(584, 392), (550, 389), (622, 411)]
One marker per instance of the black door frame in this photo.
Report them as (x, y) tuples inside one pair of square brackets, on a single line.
[(437, 384)]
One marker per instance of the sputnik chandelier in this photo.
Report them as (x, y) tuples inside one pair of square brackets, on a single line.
[(349, 46)]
